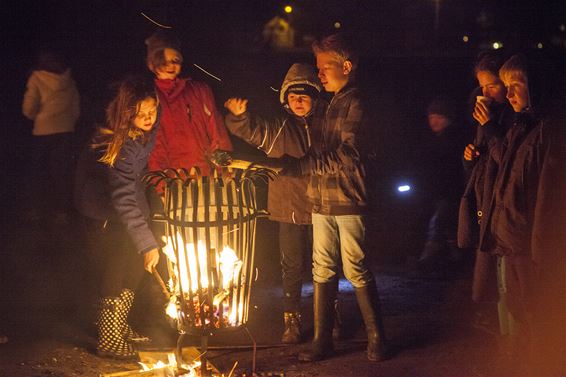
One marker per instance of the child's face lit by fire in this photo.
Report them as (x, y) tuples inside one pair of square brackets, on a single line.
[(171, 67), (146, 115), (300, 104)]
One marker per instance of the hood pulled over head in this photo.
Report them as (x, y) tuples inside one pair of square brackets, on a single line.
[(301, 79)]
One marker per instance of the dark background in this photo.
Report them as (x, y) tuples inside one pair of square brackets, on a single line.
[(411, 51)]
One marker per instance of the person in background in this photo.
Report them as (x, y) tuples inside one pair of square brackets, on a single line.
[(52, 101), (494, 116), (110, 194), (288, 135), (191, 128), (441, 179)]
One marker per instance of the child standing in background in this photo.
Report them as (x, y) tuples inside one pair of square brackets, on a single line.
[(52, 101)]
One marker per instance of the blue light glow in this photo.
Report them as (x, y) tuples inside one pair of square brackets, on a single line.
[(404, 188)]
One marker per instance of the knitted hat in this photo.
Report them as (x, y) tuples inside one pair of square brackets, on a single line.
[(300, 79), (441, 106), (159, 41), (305, 89)]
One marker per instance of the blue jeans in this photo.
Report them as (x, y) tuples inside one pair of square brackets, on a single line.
[(335, 238)]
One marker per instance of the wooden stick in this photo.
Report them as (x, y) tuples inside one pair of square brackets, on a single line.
[(162, 285)]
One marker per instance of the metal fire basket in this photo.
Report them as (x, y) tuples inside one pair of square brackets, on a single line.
[(210, 231)]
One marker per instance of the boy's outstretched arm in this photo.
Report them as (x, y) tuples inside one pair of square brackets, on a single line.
[(264, 134)]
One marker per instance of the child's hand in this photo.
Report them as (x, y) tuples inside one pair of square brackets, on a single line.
[(236, 106)]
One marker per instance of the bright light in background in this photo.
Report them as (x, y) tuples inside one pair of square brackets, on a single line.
[(562, 27), (540, 45), (497, 45), (466, 39), (288, 9), (337, 25), (404, 188)]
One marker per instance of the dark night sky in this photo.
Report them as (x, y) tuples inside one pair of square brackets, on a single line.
[(408, 58)]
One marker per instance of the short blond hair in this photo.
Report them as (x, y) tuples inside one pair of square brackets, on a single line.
[(339, 46), (514, 67)]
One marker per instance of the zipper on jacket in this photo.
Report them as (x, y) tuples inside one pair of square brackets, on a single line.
[(308, 135)]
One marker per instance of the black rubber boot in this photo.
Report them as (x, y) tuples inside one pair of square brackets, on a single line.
[(127, 297), (293, 331), (111, 341), (337, 326), (368, 301), (322, 345)]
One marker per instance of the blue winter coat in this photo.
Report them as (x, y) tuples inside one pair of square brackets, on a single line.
[(103, 192)]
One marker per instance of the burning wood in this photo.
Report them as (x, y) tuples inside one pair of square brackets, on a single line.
[(164, 364)]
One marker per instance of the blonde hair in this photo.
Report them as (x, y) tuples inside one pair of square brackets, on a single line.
[(339, 46), (120, 114), (516, 67)]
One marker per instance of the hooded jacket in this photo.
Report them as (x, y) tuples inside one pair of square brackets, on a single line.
[(52, 101), (287, 135), (191, 127)]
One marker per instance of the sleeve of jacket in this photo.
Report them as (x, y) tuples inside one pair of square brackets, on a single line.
[(346, 156), (32, 99), (123, 181), (548, 235), (215, 127), (266, 135)]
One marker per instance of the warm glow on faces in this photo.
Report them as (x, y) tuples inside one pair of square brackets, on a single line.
[(171, 66), (438, 123), (517, 90), (300, 104), (332, 74), (146, 115), (491, 86)]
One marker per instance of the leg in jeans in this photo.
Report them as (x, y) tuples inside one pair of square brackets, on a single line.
[(325, 248)]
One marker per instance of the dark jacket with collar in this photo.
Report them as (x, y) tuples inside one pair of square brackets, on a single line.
[(110, 193), (335, 161), (531, 169)]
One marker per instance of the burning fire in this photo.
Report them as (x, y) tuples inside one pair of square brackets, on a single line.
[(171, 369), (191, 269)]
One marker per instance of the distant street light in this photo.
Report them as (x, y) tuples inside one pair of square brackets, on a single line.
[(288, 9), (497, 45), (466, 39), (337, 25)]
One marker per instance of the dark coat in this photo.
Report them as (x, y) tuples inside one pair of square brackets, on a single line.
[(336, 159), (482, 173), (531, 169), (103, 192), (289, 135)]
